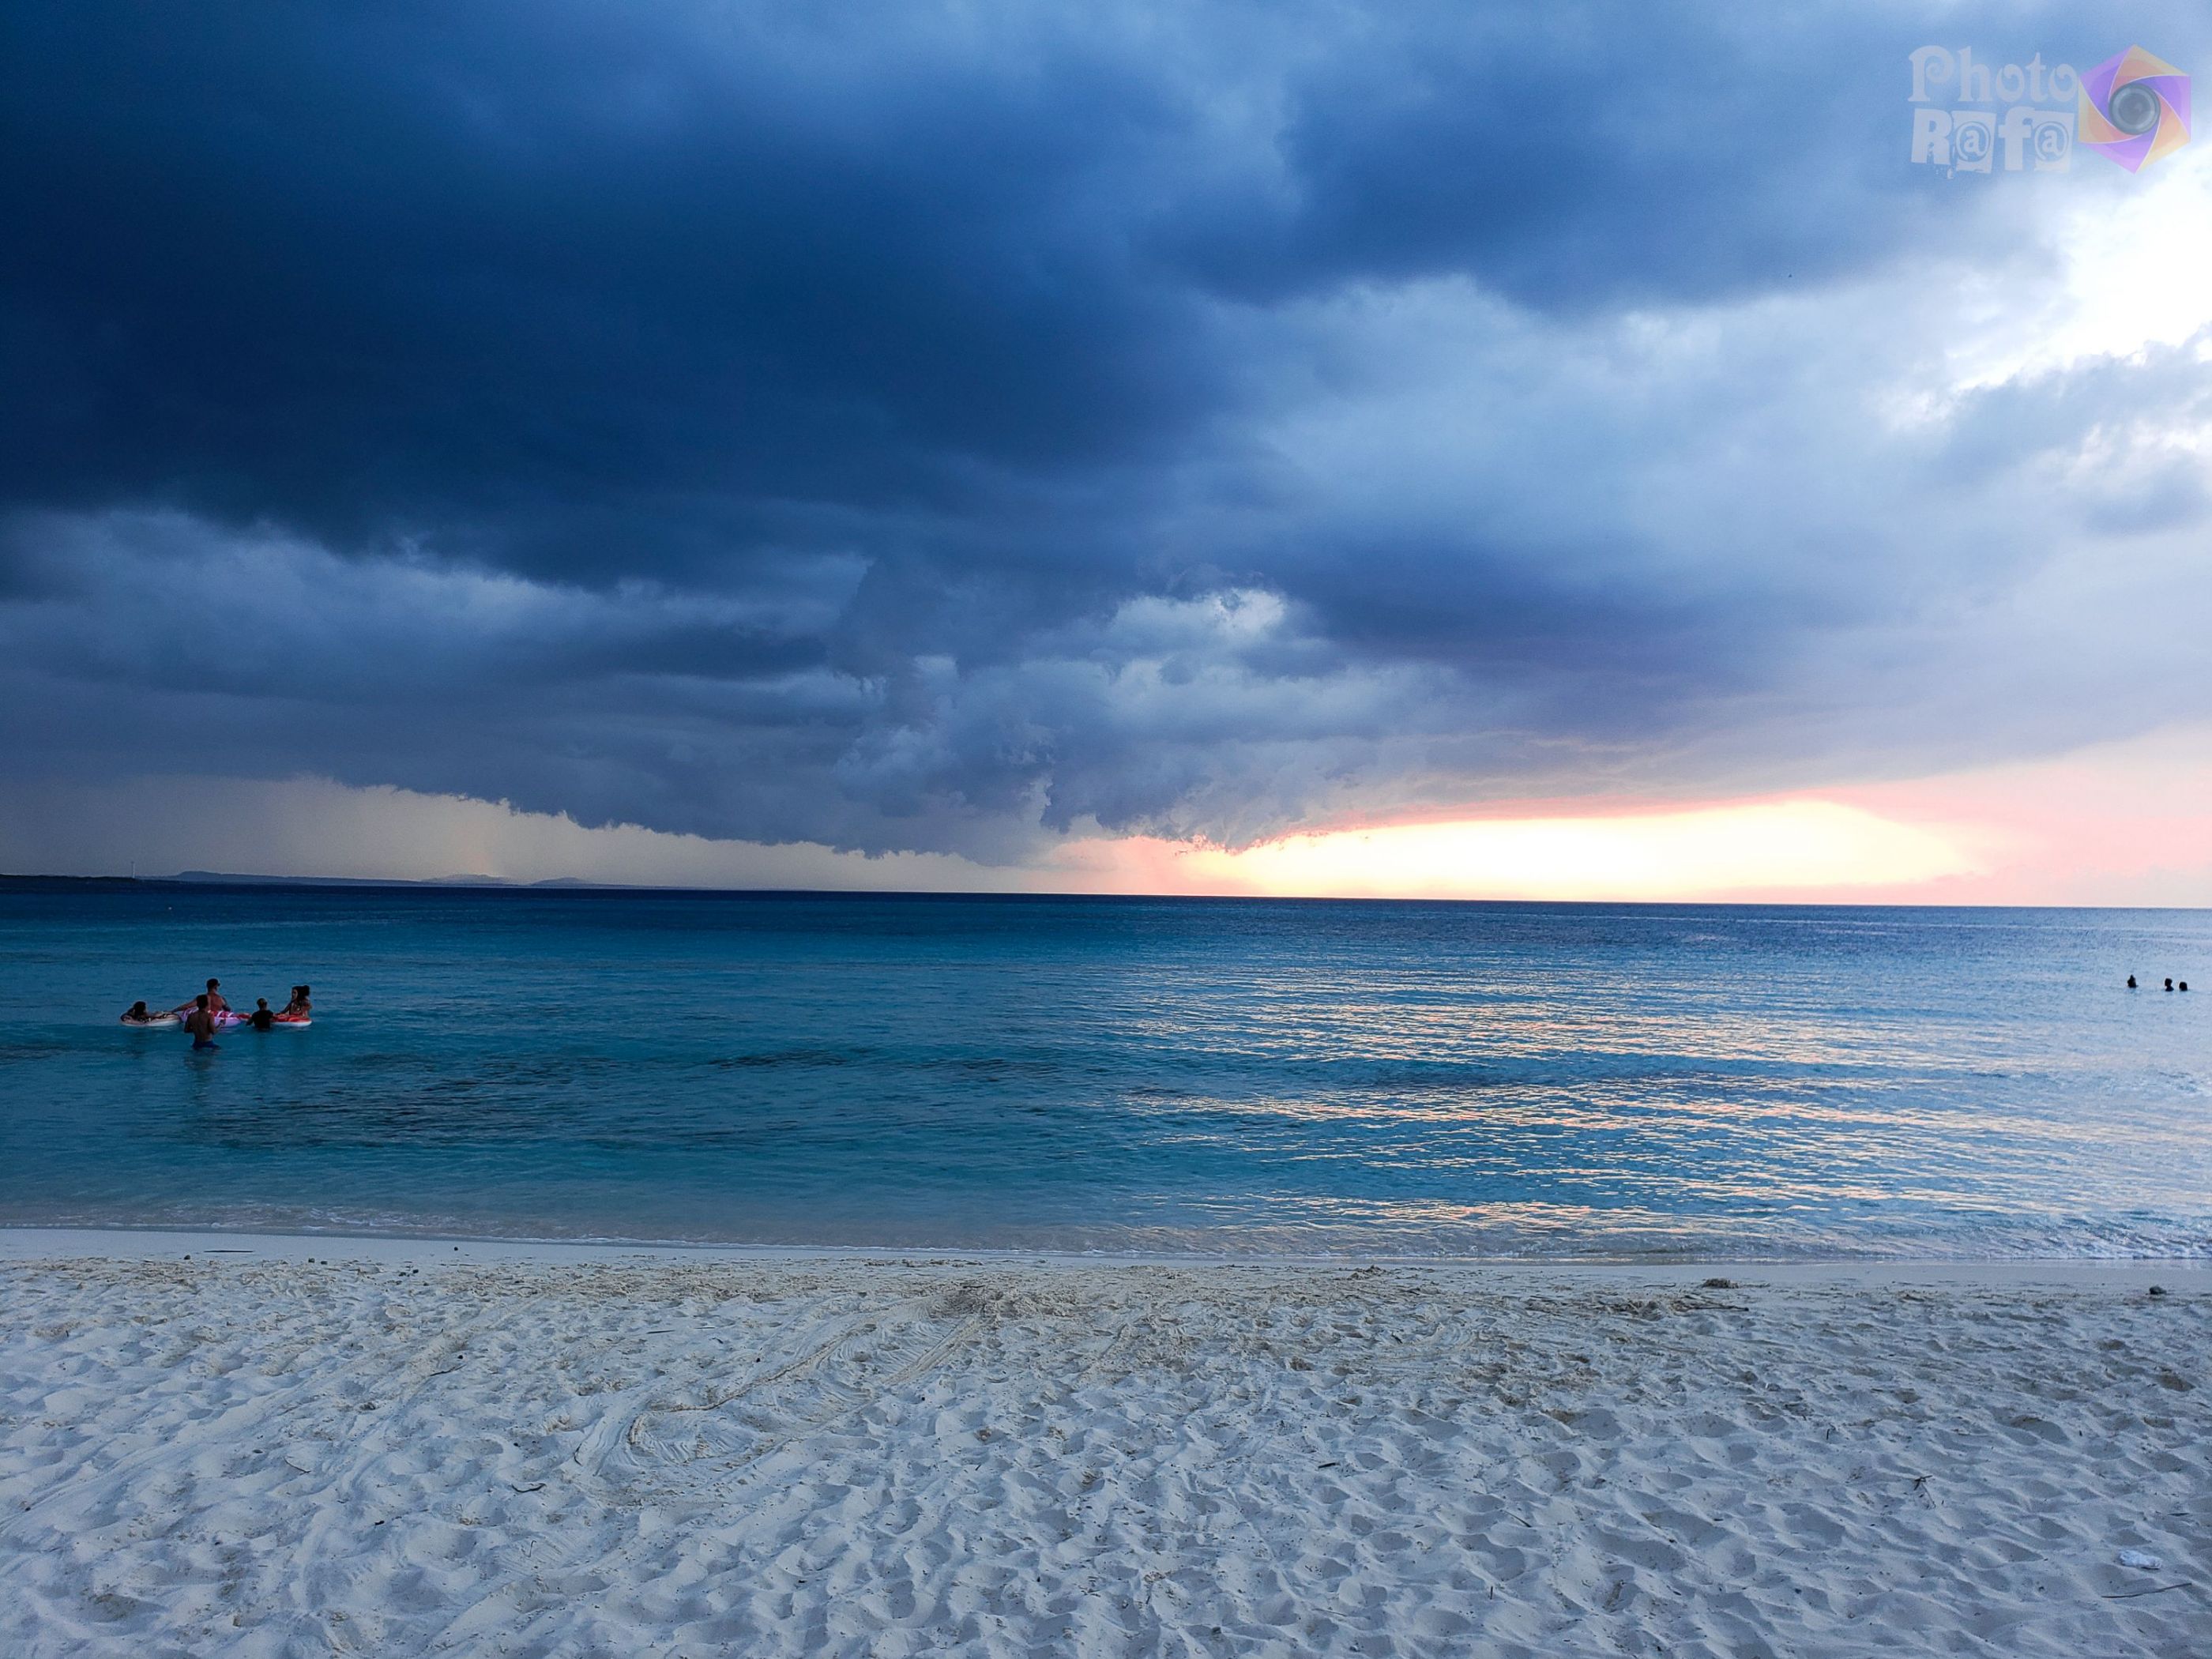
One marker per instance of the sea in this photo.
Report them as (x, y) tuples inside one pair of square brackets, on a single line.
[(1232, 1077)]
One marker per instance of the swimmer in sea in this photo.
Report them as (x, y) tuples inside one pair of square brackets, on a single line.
[(261, 1019), (138, 1015), (201, 1024), (2132, 981), (298, 1007)]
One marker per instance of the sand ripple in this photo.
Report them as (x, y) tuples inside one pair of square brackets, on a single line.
[(256, 1457)]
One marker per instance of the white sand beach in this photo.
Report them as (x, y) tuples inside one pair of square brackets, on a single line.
[(308, 1446)]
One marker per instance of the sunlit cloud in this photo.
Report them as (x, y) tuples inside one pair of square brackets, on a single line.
[(2130, 274)]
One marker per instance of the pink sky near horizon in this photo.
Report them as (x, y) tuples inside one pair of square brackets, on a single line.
[(2128, 824)]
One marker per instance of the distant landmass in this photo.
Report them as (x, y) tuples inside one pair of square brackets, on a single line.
[(237, 878), (385, 881), (240, 878)]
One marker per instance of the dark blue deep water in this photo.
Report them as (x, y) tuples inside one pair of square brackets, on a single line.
[(1231, 1076)]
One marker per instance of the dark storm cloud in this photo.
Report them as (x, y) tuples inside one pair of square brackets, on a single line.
[(532, 270), (916, 428), (1579, 159)]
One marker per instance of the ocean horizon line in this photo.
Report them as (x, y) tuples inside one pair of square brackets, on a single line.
[(219, 880)]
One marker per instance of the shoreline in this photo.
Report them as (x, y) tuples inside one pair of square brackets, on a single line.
[(37, 1243)]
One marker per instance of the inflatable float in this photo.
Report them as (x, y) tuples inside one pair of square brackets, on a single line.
[(225, 1019)]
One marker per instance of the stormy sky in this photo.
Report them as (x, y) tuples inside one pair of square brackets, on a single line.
[(967, 429)]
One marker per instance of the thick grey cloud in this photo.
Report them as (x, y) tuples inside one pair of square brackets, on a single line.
[(940, 429)]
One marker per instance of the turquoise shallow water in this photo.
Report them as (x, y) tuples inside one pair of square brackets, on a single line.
[(1229, 1076)]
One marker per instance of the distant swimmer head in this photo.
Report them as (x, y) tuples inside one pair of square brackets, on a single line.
[(2132, 981), (200, 1001), (213, 983), (2169, 985), (2184, 985), (261, 1002), (137, 1010)]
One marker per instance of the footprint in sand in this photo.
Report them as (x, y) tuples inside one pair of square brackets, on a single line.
[(722, 1427)]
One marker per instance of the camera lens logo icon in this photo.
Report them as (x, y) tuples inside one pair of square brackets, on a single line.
[(2134, 108)]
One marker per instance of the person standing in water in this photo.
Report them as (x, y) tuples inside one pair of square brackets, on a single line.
[(213, 998), (201, 1024), (261, 1019)]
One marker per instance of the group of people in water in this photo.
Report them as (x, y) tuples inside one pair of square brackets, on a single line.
[(2170, 984), (210, 1009)]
